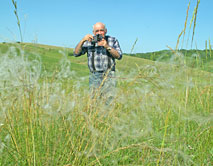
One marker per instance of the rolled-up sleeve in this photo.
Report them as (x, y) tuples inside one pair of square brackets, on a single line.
[(83, 49), (116, 46)]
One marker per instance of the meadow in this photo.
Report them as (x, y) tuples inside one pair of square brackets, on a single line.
[(194, 58), (161, 114)]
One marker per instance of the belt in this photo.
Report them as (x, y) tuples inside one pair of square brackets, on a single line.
[(100, 71)]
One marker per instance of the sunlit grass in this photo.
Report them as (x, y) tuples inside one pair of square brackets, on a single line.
[(161, 114)]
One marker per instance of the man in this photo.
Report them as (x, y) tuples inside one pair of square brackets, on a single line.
[(101, 56)]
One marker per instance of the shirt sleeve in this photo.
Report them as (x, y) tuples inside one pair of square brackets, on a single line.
[(118, 48), (83, 50)]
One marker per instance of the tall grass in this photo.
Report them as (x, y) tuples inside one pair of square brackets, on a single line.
[(161, 115), (194, 19), (184, 30), (210, 49), (17, 17)]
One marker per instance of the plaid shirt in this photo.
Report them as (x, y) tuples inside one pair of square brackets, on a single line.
[(100, 54)]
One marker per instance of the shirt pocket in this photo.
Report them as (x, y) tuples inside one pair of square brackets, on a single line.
[(104, 51)]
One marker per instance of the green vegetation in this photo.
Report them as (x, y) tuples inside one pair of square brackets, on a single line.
[(201, 59), (161, 114)]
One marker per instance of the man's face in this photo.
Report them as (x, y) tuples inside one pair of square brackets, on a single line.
[(99, 29)]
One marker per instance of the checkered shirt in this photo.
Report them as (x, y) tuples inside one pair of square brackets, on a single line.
[(100, 54)]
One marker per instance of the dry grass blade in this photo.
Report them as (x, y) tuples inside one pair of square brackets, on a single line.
[(187, 15), (195, 18), (179, 39), (184, 30), (118, 150), (206, 47), (17, 17), (134, 45), (210, 49)]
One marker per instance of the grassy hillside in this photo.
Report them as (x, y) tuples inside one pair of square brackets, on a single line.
[(161, 113), (202, 59)]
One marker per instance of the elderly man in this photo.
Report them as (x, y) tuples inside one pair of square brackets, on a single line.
[(102, 50)]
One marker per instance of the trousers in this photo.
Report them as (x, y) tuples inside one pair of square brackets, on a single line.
[(103, 83)]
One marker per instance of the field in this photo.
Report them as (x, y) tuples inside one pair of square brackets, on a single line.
[(200, 59), (161, 114)]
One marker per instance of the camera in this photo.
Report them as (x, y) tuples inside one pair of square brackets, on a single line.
[(96, 38)]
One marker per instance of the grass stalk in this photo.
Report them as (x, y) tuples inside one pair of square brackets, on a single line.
[(33, 139), (195, 19), (133, 46), (185, 25), (17, 17), (184, 30), (210, 49), (160, 158), (206, 48)]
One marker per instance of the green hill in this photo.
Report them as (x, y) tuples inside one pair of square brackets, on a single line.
[(51, 56), (202, 59)]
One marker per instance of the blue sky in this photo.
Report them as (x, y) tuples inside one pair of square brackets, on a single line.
[(156, 23)]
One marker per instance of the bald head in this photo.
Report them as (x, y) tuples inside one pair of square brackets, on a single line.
[(98, 25), (99, 28)]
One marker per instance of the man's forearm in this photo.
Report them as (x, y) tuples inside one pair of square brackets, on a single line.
[(114, 53), (78, 48)]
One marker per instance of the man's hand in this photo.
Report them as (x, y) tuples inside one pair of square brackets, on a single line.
[(112, 51), (88, 37), (78, 48), (103, 43)]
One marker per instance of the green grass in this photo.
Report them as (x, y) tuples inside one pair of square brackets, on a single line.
[(201, 59), (161, 114)]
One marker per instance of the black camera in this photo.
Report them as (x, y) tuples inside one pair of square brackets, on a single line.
[(96, 38)]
